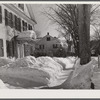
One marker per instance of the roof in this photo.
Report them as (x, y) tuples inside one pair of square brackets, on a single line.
[(21, 14), (31, 12), (52, 38)]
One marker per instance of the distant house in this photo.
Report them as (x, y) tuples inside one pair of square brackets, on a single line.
[(48, 45), (14, 20)]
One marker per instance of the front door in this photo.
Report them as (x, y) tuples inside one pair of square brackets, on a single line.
[(20, 50), (1, 48)]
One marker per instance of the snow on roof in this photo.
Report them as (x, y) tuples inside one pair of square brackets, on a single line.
[(27, 34)]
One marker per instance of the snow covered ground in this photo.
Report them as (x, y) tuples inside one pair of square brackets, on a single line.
[(34, 73)]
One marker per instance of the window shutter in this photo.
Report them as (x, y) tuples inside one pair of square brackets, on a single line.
[(0, 14), (15, 22), (6, 17), (19, 24), (11, 20), (26, 26), (23, 24)]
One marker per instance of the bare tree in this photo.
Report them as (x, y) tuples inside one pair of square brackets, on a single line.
[(38, 33), (84, 33), (66, 16)]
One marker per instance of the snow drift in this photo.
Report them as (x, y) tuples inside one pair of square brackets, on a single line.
[(5, 61), (30, 72), (96, 77), (2, 85), (24, 72), (65, 62), (81, 78)]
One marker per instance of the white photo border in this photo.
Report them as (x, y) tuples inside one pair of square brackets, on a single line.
[(44, 94)]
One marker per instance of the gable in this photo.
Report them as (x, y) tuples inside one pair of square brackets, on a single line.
[(30, 11), (52, 39), (23, 8), (26, 11), (44, 39)]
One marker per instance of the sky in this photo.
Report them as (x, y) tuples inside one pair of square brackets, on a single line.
[(44, 24)]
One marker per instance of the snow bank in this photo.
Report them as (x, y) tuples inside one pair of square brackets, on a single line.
[(33, 72), (49, 62), (24, 77), (96, 77), (5, 61), (28, 61), (55, 70), (65, 62), (2, 85), (81, 78), (24, 72)]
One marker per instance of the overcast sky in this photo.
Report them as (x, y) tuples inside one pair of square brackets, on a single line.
[(44, 25)]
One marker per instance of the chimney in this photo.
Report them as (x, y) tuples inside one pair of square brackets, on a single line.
[(47, 33)]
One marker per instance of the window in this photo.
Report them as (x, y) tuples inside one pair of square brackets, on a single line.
[(48, 38), (29, 27), (17, 22), (12, 20), (0, 14), (55, 46), (41, 46), (21, 6), (24, 25), (6, 17)]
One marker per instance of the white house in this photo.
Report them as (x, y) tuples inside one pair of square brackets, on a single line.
[(47, 45), (14, 19)]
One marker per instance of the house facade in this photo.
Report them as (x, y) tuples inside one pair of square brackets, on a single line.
[(14, 20), (48, 45)]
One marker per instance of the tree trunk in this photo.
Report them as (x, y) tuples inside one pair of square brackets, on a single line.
[(84, 33)]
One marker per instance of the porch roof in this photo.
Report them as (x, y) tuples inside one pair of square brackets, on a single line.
[(27, 36), (30, 34)]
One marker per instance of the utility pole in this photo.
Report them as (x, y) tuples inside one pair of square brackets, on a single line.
[(84, 33)]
